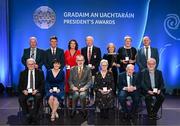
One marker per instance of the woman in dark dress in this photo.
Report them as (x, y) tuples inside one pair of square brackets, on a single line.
[(126, 54), (103, 86), (55, 88), (111, 56)]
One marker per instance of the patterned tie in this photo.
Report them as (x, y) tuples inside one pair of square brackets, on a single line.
[(147, 52), (89, 55), (31, 79), (32, 53), (80, 72)]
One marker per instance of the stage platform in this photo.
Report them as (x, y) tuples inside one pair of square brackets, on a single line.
[(10, 115)]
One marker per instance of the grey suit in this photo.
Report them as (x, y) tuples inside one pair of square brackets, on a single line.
[(141, 58), (84, 82)]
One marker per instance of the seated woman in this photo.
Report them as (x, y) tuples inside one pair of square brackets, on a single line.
[(55, 88), (104, 84)]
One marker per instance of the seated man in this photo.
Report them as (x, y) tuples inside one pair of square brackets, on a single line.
[(128, 86), (80, 80), (31, 87), (152, 84)]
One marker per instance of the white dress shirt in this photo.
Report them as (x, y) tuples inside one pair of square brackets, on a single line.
[(29, 73), (149, 51), (33, 55), (52, 50)]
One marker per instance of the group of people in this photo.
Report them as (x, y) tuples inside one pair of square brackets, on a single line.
[(86, 72)]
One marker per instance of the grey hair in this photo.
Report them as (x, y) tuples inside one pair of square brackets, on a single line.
[(30, 59), (127, 37), (146, 37), (103, 61), (33, 38), (90, 38), (151, 59), (129, 65)]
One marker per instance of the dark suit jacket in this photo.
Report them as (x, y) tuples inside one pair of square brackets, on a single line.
[(141, 58), (39, 57), (123, 81), (95, 58), (85, 81), (49, 58), (39, 81), (146, 82)]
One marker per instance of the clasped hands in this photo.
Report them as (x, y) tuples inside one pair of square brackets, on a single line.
[(51, 91), (104, 91), (25, 92), (80, 90), (130, 88)]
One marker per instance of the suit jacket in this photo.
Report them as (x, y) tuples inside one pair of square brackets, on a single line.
[(39, 81), (95, 58), (141, 58), (146, 82), (85, 81), (39, 57), (123, 81), (49, 58)]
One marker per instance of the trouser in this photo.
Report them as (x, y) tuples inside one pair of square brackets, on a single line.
[(23, 103), (79, 95), (153, 108), (122, 99)]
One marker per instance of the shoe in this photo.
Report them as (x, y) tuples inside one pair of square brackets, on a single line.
[(56, 115), (73, 113), (52, 117), (85, 115)]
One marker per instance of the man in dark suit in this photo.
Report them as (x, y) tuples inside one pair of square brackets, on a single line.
[(92, 55), (54, 53), (129, 86), (33, 52), (80, 80), (31, 88), (153, 87), (145, 53)]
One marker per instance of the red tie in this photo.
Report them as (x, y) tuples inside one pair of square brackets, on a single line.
[(89, 55)]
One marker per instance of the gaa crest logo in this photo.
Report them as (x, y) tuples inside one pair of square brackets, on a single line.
[(44, 17)]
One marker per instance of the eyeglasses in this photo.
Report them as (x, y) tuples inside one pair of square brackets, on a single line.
[(31, 64)]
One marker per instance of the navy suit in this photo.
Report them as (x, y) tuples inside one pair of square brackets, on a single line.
[(49, 57), (123, 94), (141, 58), (39, 57), (146, 86)]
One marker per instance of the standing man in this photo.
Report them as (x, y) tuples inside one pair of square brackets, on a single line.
[(92, 56), (153, 86), (33, 52), (145, 53), (31, 89), (80, 80), (54, 53)]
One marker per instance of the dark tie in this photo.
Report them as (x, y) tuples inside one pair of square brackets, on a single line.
[(32, 53), (147, 52), (31, 79), (54, 51), (131, 80), (89, 55)]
